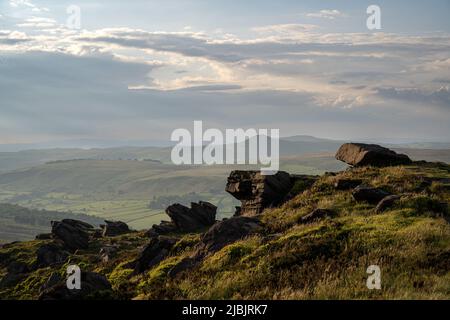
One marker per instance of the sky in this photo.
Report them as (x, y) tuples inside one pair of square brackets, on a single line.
[(137, 70)]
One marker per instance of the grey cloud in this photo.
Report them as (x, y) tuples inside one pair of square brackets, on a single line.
[(189, 45), (439, 97)]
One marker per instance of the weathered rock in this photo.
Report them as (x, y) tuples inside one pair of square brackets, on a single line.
[(360, 154), (93, 286), (258, 192), (369, 194), (78, 224), (316, 215), (164, 227), (386, 202), (51, 254), (74, 233), (153, 253), (114, 228), (226, 232), (200, 215), (347, 184)]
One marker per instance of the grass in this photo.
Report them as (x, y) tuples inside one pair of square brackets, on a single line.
[(327, 259)]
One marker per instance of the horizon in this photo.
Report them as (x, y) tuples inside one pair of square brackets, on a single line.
[(113, 144)]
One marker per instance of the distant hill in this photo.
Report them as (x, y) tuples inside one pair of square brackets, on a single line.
[(289, 146), (30, 158)]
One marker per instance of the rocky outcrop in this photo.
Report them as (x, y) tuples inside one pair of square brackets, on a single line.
[(93, 286), (258, 192), (199, 216), (360, 154), (153, 253), (369, 194), (114, 228), (73, 233)]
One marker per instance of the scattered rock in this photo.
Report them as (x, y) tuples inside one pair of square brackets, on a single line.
[(93, 286), (258, 192), (360, 154), (226, 232), (316, 215), (164, 227), (74, 233), (386, 202), (114, 228), (51, 254), (369, 194), (347, 184), (200, 215), (153, 253)]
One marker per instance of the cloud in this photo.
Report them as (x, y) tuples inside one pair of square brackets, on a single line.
[(123, 82), (440, 97), (326, 14), (27, 4), (38, 22), (286, 29)]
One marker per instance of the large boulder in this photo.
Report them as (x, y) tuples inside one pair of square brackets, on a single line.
[(369, 194), (73, 233), (258, 192), (164, 227), (200, 215), (361, 154), (183, 219), (226, 232), (114, 228)]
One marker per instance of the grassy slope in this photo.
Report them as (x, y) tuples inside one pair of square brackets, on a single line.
[(289, 260)]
